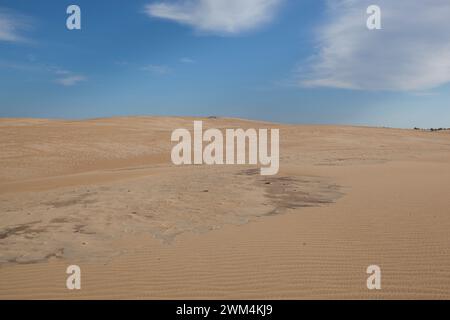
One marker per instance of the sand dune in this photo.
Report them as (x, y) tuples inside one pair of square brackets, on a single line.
[(104, 195)]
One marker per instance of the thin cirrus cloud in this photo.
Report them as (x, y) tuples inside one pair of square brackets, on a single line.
[(12, 25), (157, 69), (70, 80), (410, 53), (217, 16), (60, 76), (65, 77), (187, 60)]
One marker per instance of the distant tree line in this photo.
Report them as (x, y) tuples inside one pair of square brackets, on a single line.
[(431, 129)]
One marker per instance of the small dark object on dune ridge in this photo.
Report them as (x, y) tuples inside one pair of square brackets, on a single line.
[(432, 129)]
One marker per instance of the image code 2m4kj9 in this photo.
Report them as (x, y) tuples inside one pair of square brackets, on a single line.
[(223, 158)]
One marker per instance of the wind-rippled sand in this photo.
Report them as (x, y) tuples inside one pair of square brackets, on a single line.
[(104, 195)]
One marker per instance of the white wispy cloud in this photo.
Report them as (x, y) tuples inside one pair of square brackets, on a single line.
[(410, 53), (217, 16), (157, 69), (12, 25), (70, 80), (59, 71), (187, 60), (60, 76)]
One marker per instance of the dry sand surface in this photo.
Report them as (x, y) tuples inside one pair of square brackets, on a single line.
[(103, 194)]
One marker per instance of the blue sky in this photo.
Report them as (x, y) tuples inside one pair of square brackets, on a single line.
[(296, 61)]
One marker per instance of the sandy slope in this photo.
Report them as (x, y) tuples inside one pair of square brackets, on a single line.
[(103, 194)]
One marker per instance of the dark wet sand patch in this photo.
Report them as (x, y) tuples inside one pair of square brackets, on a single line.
[(289, 192), (21, 229), (80, 199)]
